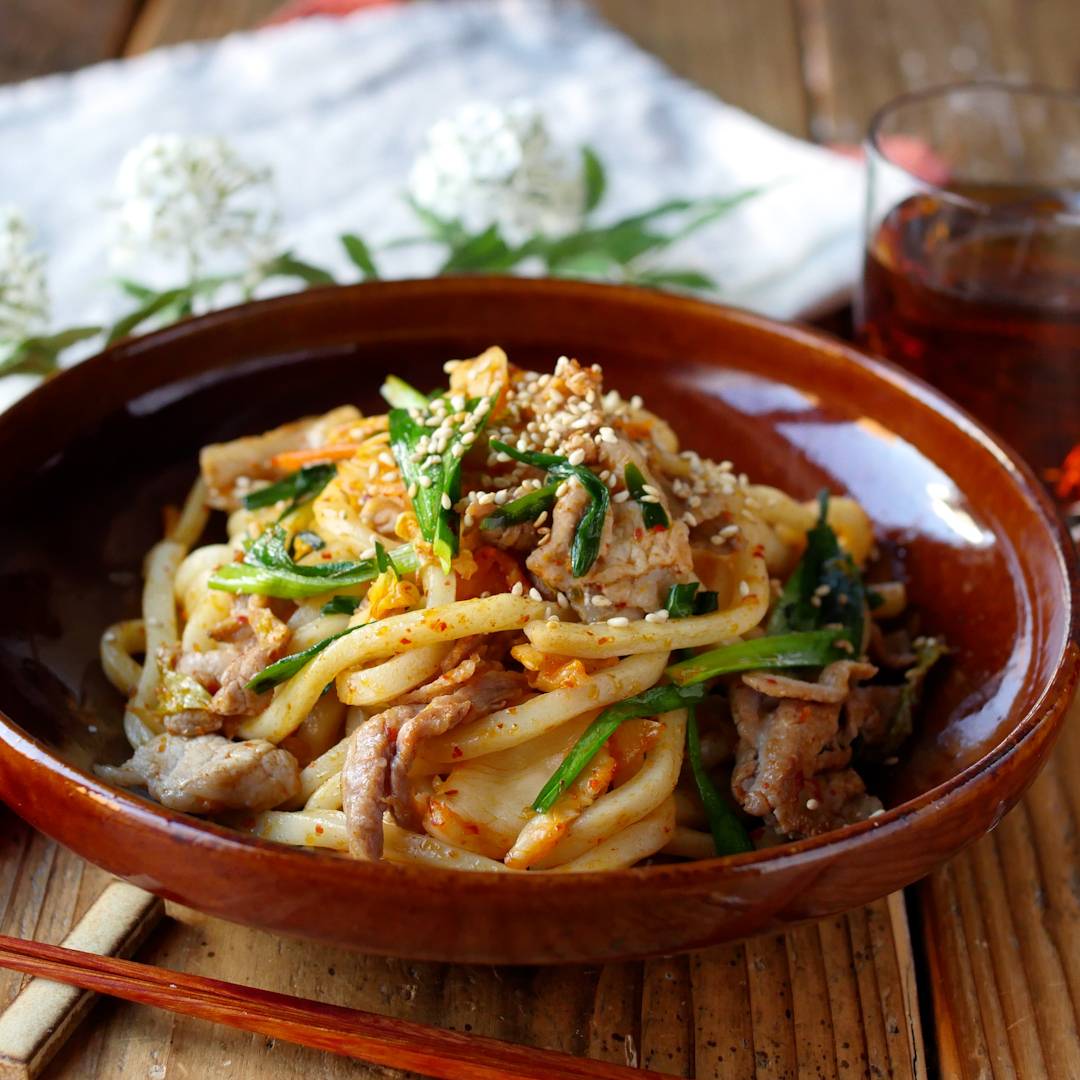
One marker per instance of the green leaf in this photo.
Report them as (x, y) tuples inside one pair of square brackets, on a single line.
[(157, 304), (526, 508), (313, 540), (485, 251), (298, 487), (340, 605), (652, 513), (728, 833), (288, 666), (136, 290), (40, 355), (398, 394), (585, 548), (595, 180), (268, 569), (360, 254), (682, 279), (826, 587), (383, 561), (445, 232), (680, 600), (652, 702), (433, 481), (928, 651), (814, 648), (288, 265)]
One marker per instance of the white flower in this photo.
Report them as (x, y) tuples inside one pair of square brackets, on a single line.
[(192, 198), (24, 297), (489, 165)]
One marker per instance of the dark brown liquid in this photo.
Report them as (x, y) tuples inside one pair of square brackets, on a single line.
[(986, 306)]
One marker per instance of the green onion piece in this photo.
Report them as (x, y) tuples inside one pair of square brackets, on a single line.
[(383, 561), (299, 487), (728, 833), (655, 700), (526, 508), (689, 599), (268, 570), (434, 481), (680, 599), (705, 602), (288, 666), (814, 648), (652, 513), (398, 394), (340, 605), (826, 587), (585, 548)]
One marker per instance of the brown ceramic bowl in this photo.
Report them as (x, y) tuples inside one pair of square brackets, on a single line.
[(87, 461)]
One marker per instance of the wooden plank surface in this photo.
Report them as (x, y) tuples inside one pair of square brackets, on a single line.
[(1000, 926), (824, 1000)]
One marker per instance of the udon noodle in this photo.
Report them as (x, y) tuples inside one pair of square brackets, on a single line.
[(510, 626)]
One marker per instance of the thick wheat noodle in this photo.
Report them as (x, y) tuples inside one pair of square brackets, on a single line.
[(690, 843), (326, 828), (429, 626), (159, 620), (638, 841), (189, 526), (407, 670), (520, 723), (119, 644), (640, 795), (602, 640)]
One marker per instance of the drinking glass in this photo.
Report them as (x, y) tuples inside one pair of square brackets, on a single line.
[(972, 271)]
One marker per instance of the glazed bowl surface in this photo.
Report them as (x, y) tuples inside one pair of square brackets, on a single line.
[(88, 461)]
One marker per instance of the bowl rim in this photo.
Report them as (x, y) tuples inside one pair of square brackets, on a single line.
[(1046, 709)]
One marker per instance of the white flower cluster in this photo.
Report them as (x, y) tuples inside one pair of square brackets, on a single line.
[(192, 198), (24, 296), (488, 165)]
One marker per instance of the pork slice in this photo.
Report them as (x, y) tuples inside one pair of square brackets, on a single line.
[(791, 764), (634, 570), (192, 722), (364, 778), (225, 465), (208, 773), (831, 688), (490, 690)]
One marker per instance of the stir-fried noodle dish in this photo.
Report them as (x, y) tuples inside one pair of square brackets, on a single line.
[(510, 626)]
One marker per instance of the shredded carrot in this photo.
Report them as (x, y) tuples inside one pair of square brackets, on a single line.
[(290, 460)]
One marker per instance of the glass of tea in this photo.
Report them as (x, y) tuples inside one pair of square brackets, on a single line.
[(972, 272)]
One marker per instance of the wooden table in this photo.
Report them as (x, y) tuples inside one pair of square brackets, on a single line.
[(987, 982)]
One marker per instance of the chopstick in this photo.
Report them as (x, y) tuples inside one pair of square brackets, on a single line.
[(380, 1040)]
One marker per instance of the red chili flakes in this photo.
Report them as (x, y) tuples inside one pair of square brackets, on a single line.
[(759, 551), (319, 830), (404, 641), (457, 752), (639, 533), (440, 626), (326, 555)]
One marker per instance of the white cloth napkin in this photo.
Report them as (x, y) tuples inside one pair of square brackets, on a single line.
[(339, 108)]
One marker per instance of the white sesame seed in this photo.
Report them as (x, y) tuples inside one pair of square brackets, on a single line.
[(650, 499), (412, 491), (877, 813), (608, 435), (689, 519), (425, 481), (518, 589), (812, 804), (534, 594), (744, 589), (599, 601), (541, 518), (577, 457), (823, 590), (561, 490), (657, 616), (891, 761), (636, 402), (620, 496), (728, 531), (445, 500), (619, 620)]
